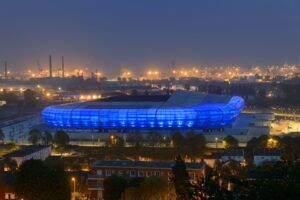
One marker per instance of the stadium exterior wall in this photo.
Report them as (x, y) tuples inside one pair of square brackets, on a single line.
[(206, 115)]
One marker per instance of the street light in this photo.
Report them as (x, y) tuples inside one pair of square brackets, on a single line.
[(216, 140), (74, 186)]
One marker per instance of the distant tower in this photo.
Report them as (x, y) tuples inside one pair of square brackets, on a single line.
[(50, 67), (63, 67), (5, 70), (173, 66)]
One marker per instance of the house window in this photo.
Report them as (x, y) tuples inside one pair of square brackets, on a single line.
[(140, 174), (108, 173), (149, 173), (121, 173), (99, 172), (10, 196), (132, 173), (157, 173), (192, 175), (170, 176)]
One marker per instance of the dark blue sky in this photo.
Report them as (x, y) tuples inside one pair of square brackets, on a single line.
[(108, 34)]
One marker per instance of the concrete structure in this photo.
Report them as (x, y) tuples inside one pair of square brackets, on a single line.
[(184, 111), (244, 128), (132, 169), (30, 152), (261, 155), (17, 129)]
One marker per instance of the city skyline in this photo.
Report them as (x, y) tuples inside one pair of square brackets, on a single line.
[(115, 35)]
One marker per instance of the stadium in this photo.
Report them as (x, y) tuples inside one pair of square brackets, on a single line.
[(181, 110)]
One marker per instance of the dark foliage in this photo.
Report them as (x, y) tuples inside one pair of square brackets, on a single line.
[(37, 180), (114, 186)]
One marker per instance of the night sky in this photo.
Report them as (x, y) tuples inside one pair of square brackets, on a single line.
[(114, 34)]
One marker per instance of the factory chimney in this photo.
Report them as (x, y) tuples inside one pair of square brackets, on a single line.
[(63, 67), (50, 67), (5, 70)]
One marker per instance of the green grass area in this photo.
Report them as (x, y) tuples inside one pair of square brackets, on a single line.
[(8, 148)]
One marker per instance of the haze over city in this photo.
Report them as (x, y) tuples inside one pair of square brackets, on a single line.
[(112, 35), (149, 100)]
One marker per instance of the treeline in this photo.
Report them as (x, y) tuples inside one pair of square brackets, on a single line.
[(37, 180), (191, 146), (289, 145), (270, 180)]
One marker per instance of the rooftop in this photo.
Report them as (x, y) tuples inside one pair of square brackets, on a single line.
[(139, 98), (26, 151), (234, 152), (177, 99), (142, 164), (266, 152)]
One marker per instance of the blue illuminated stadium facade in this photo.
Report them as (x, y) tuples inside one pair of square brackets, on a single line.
[(181, 110)]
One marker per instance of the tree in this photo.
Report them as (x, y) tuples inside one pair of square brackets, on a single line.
[(260, 142), (178, 140), (35, 181), (30, 98), (181, 179), (58, 180), (131, 193), (34, 136), (151, 188), (115, 141), (1, 136), (31, 181), (154, 137), (114, 186), (151, 184), (230, 142), (209, 186), (2, 180), (10, 164), (252, 143), (47, 138), (195, 144), (61, 138), (289, 147), (135, 138)]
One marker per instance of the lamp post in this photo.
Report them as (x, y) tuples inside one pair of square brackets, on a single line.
[(74, 187), (216, 140)]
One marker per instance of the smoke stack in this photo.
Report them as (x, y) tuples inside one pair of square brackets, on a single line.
[(50, 67), (63, 67), (5, 70)]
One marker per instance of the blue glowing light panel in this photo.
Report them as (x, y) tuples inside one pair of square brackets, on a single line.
[(209, 115)]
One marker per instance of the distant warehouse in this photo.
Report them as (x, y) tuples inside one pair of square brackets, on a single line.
[(182, 109), (35, 152)]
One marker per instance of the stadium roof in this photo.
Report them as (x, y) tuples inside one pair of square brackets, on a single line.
[(177, 99), (124, 98)]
